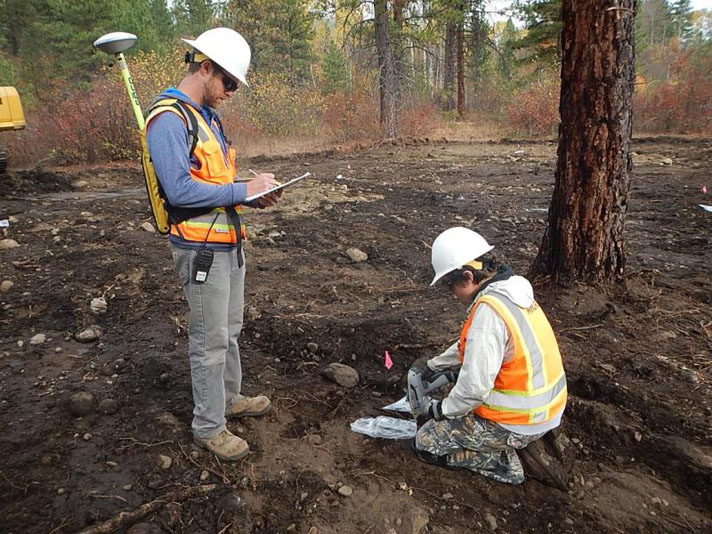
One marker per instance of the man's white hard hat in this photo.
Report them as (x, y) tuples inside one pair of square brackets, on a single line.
[(227, 48), (454, 248)]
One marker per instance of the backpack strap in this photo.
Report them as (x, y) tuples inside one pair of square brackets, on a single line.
[(181, 109), (190, 121)]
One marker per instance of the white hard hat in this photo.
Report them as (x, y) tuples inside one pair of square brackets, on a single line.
[(227, 48), (454, 248)]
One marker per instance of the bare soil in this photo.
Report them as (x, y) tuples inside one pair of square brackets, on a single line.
[(638, 355)]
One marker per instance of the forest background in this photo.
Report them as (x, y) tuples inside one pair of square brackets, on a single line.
[(334, 71)]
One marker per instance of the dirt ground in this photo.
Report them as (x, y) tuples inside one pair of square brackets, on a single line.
[(638, 356)]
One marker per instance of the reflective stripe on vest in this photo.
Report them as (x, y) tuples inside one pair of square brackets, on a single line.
[(213, 168), (530, 388)]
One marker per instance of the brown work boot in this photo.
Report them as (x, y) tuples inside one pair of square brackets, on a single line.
[(549, 459), (226, 445), (248, 407)]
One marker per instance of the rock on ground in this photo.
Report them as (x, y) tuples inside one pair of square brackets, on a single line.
[(8, 243), (81, 404), (89, 334), (356, 255), (415, 521), (343, 375)]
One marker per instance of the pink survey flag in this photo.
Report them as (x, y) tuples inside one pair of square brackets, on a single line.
[(389, 362), (704, 189)]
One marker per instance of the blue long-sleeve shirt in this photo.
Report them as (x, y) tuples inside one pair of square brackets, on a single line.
[(169, 146)]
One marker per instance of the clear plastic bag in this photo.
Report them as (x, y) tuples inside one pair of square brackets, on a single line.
[(399, 406), (385, 427)]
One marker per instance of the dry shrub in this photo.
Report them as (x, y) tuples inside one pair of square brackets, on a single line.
[(420, 119), (273, 106), (535, 109), (683, 104), (353, 115)]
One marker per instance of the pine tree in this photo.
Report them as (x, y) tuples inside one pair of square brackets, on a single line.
[(681, 19), (542, 20), (193, 17), (335, 69), (280, 33)]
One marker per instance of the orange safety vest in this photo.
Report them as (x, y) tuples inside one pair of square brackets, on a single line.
[(213, 226), (530, 388)]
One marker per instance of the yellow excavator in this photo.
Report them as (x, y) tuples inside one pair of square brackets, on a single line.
[(11, 118)]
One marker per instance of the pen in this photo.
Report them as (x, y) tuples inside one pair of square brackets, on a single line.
[(257, 174)]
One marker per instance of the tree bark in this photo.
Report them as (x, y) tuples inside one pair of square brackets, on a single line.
[(584, 238), (386, 69), (449, 73), (460, 39), (398, 48)]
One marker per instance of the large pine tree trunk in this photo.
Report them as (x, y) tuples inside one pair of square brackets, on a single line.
[(460, 39), (387, 71), (584, 238)]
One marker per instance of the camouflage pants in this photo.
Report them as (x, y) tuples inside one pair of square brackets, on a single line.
[(476, 444)]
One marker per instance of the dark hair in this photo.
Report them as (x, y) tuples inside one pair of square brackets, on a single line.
[(489, 269)]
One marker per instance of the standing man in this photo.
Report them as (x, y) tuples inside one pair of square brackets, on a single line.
[(511, 389), (196, 170)]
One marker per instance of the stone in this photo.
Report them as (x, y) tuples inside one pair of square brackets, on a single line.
[(608, 367), (6, 285), (80, 184), (447, 496), (687, 374), (108, 407), (98, 305), (204, 475), (81, 404), (346, 491), (491, 521), (666, 161), (6, 244), (343, 375), (164, 462), (89, 334), (313, 347), (148, 227), (87, 437), (38, 339), (356, 255), (415, 521), (638, 437), (111, 464), (252, 313)]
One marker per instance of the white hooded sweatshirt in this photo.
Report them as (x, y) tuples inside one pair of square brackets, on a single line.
[(488, 346)]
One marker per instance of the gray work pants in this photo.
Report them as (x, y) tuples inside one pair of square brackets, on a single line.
[(215, 323)]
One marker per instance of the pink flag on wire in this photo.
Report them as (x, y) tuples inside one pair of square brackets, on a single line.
[(389, 362), (704, 190)]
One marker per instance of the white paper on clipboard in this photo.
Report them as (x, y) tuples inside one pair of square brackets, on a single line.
[(277, 188)]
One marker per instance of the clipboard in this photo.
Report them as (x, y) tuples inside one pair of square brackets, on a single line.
[(279, 187)]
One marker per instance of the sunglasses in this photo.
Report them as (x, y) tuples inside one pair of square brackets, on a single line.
[(229, 84)]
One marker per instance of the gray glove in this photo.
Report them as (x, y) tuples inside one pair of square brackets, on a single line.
[(421, 365)]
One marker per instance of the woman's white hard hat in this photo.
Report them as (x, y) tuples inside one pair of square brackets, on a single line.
[(227, 48), (454, 248)]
